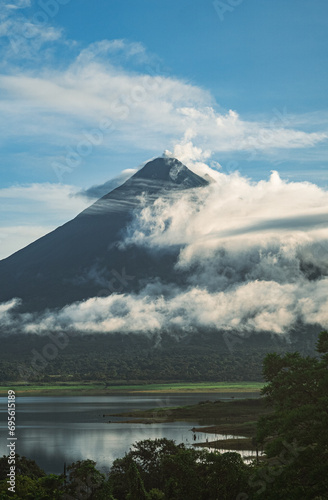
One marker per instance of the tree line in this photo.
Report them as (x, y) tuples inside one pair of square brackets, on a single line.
[(132, 358)]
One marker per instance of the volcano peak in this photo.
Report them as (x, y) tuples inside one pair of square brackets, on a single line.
[(170, 170)]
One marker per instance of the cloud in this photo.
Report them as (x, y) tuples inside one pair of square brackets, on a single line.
[(6, 309), (18, 4), (117, 51), (96, 192), (24, 35), (147, 108), (254, 257), (233, 205), (253, 307), (235, 232)]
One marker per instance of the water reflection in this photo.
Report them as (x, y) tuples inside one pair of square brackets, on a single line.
[(54, 430)]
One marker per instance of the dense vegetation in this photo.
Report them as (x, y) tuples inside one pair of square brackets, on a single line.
[(295, 437), (296, 434), (132, 358)]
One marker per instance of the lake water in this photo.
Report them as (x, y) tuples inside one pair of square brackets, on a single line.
[(54, 430)]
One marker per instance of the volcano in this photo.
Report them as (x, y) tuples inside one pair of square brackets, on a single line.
[(129, 311), (84, 258)]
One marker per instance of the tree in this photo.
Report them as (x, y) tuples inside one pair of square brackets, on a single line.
[(296, 434), (136, 487), (147, 455), (27, 488), (226, 475), (182, 474), (179, 473), (156, 494), (24, 467), (84, 479)]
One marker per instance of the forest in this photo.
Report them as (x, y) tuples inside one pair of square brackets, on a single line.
[(204, 356), (294, 436)]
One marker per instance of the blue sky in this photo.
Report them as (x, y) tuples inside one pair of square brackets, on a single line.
[(88, 89)]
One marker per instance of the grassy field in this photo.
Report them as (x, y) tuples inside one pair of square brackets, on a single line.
[(96, 388)]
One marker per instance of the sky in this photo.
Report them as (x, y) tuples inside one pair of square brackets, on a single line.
[(90, 89)]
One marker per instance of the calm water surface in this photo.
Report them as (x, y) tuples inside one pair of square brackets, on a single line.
[(54, 430)]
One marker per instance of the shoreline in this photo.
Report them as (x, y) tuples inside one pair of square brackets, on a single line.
[(237, 417), (98, 389)]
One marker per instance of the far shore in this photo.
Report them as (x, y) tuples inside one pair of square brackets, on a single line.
[(102, 389), (237, 417)]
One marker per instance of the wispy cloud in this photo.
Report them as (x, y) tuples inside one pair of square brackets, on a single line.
[(96, 192), (147, 109), (18, 4), (23, 34)]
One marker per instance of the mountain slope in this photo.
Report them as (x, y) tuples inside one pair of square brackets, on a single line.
[(82, 259)]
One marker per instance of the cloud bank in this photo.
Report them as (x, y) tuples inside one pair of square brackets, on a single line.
[(254, 257)]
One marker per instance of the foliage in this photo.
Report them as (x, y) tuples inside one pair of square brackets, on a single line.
[(178, 472), (147, 456), (116, 358), (136, 486), (84, 481), (296, 434), (24, 467), (84, 478)]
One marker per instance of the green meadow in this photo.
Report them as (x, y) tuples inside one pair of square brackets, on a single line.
[(75, 388)]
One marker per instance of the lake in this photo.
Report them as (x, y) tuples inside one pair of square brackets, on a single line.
[(54, 430)]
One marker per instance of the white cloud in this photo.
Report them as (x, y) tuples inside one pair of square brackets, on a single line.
[(5, 312), (253, 307), (96, 192), (148, 110), (125, 49), (234, 206), (24, 35), (19, 4)]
